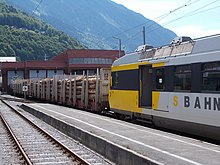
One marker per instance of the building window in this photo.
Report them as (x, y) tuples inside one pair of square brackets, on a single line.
[(182, 79), (80, 72), (160, 79), (211, 76), (90, 61)]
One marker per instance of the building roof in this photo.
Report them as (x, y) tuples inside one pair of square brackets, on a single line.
[(70, 53), (7, 59), (62, 59)]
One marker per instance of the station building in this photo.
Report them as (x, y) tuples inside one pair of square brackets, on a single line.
[(70, 61), (5, 59)]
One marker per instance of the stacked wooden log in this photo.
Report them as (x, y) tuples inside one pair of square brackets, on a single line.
[(50, 96), (59, 84), (31, 89), (18, 84), (67, 89), (81, 91), (91, 91)]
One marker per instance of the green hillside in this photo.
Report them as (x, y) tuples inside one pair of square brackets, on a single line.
[(27, 38)]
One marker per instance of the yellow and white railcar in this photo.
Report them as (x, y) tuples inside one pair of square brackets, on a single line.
[(175, 86)]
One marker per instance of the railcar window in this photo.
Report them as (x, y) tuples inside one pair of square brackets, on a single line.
[(211, 76), (125, 80), (160, 79), (114, 79), (182, 80)]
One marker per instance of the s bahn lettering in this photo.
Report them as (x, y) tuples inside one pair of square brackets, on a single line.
[(207, 103), (186, 101), (175, 101)]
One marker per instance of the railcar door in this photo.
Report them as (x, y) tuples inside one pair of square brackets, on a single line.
[(145, 92)]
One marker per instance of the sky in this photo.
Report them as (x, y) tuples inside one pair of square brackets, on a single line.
[(193, 18)]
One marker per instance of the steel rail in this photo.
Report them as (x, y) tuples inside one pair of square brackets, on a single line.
[(26, 158), (75, 157)]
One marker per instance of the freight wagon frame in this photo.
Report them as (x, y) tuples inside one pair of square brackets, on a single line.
[(84, 91)]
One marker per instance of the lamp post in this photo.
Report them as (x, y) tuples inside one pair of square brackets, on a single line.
[(119, 42)]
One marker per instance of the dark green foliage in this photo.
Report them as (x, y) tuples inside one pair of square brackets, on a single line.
[(28, 38)]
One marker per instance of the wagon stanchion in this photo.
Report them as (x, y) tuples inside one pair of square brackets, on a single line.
[(86, 89), (97, 90), (74, 91), (70, 89), (83, 91)]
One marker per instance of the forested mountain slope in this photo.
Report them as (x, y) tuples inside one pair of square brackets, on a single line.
[(28, 38)]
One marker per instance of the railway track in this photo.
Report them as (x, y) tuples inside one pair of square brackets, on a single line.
[(36, 146), (8, 149), (11, 98)]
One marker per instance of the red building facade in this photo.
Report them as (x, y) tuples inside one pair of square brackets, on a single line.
[(68, 62)]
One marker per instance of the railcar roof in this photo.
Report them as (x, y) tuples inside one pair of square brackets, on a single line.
[(196, 46)]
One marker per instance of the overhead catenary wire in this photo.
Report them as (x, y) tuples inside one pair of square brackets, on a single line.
[(183, 5), (190, 14), (165, 15), (37, 7), (184, 16), (205, 10), (187, 3), (159, 18)]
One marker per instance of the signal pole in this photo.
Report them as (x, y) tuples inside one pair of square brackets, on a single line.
[(143, 31), (45, 57), (119, 45)]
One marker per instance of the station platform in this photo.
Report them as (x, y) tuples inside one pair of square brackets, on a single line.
[(125, 143)]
